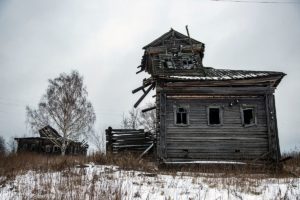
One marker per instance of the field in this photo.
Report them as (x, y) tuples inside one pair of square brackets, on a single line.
[(30, 176)]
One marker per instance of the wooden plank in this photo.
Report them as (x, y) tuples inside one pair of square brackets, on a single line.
[(163, 125), (144, 95)]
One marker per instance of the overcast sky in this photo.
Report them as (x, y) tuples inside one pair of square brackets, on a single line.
[(103, 40)]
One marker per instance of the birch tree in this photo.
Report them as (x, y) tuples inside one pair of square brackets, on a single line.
[(66, 108)]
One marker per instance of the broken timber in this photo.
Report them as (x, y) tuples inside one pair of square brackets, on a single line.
[(152, 86)]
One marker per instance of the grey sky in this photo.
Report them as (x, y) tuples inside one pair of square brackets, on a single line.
[(103, 40)]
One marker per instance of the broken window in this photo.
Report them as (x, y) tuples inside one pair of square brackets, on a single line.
[(168, 64), (187, 63), (214, 116), (181, 116), (166, 61), (248, 116)]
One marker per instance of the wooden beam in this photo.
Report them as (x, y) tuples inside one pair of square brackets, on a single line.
[(146, 150), (144, 95), (141, 87), (148, 109)]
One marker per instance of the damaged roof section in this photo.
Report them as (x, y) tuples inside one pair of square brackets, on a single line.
[(49, 132), (177, 57), (172, 50)]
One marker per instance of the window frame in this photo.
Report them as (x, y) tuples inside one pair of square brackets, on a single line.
[(220, 115), (254, 113), (187, 108), (48, 148)]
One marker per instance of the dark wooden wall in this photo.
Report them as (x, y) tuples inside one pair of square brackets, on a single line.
[(38, 145), (229, 141)]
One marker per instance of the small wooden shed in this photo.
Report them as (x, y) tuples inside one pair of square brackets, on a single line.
[(47, 141), (206, 114)]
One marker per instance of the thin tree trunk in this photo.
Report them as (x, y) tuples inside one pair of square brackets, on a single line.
[(63, 148)]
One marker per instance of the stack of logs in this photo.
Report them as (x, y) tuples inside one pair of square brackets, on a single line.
[(130, 140)]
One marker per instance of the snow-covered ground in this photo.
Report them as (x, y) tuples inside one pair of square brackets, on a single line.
[(109, 182)]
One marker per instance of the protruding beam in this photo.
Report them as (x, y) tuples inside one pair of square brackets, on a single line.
[(148, 109), (141, 88), (143, 96), (139, 71), (190, 40)]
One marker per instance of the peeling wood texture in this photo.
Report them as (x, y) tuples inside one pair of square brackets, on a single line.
[(244, 127)]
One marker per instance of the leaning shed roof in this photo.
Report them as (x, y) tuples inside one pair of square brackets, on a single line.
[(48, 131), (211, 74), (171, 35)]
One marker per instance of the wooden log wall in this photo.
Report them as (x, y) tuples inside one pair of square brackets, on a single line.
[(200, 141), (130, 140)]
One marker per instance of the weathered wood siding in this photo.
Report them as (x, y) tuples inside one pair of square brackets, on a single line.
[(200, 141)]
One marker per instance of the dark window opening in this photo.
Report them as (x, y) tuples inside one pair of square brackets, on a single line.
[(181, 116), (248, 116), (168, 63), (214, 116), (33, 147), (55, 149), (187, 63)]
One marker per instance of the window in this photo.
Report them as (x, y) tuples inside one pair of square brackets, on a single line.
[(166, 61), (56, 149), (214, 115), (24, 146), (33, 147), (248, 115), (181, 115), (168, 64), (48, 149), (187, 63)]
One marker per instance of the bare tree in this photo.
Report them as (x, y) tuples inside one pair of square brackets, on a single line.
[(12, 145), (2, 145), (137, 119), (147, 120), (98, 140), (64, 107), (131, 120)]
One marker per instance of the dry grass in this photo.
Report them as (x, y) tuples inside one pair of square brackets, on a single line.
[(13, 164), (69, 181), (292, 165)]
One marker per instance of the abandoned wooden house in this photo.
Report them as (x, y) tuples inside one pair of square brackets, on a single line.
[(205, 113), (47, 143)]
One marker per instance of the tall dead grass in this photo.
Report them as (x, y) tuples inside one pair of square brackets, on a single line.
[(70, 179)]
